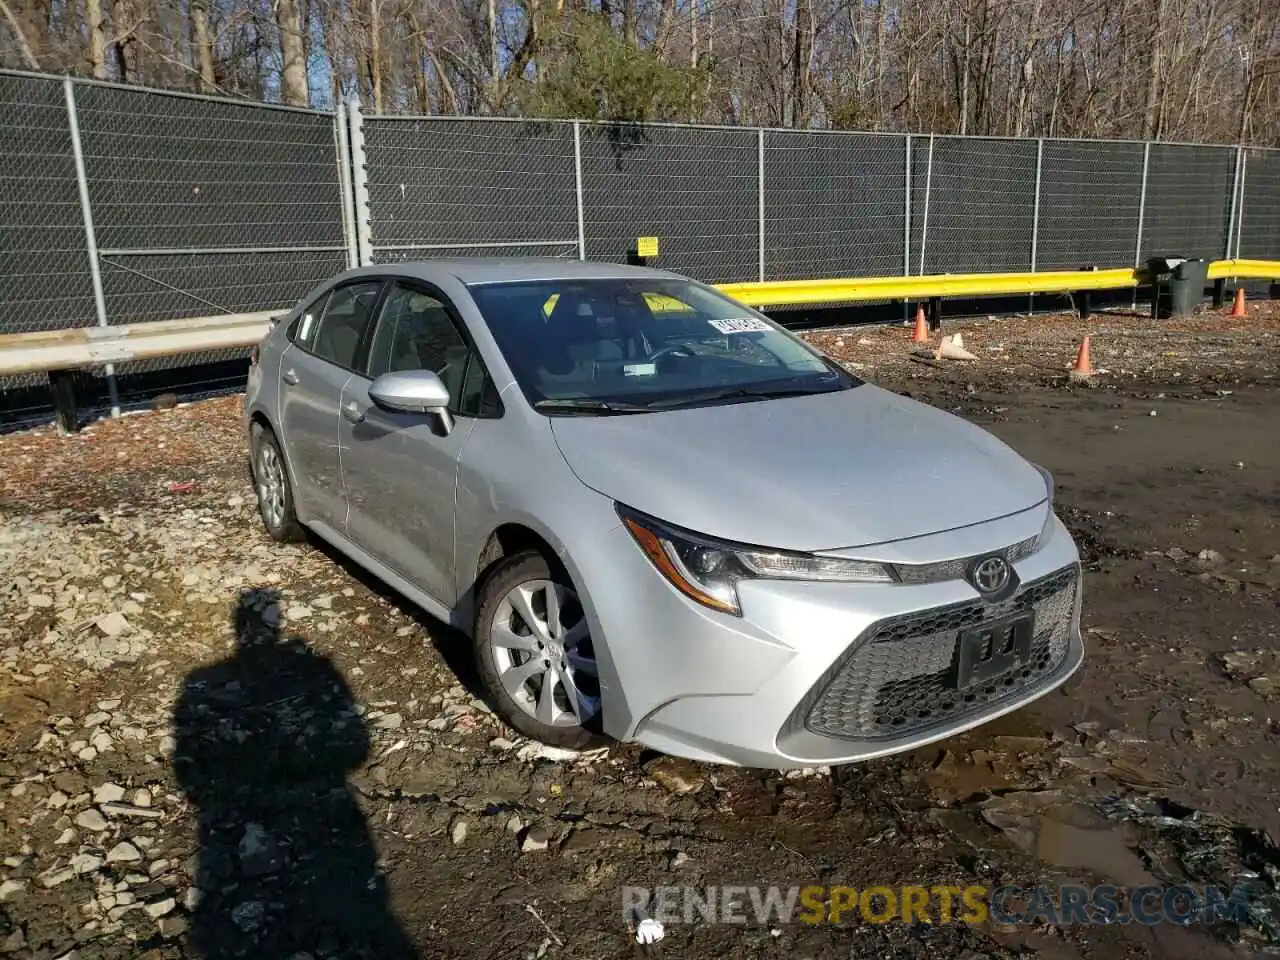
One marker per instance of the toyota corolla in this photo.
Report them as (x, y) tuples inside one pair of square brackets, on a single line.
[(660, 516)]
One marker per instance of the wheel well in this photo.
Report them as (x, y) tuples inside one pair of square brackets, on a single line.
[(508, 540), (260, 418)]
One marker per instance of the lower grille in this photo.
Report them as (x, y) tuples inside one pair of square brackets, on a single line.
[(898, 678)]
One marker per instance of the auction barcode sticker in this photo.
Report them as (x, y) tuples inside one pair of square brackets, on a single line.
[(741, 325)]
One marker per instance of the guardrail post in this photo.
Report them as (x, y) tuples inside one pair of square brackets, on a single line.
[(63, 392), (577, 185), (344, 184), (360, 184)]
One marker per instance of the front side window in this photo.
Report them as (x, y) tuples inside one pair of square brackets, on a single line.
[(347, 313), (644, 344), (415, 332)]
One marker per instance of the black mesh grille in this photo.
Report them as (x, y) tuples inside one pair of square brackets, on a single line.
[(897, 678)]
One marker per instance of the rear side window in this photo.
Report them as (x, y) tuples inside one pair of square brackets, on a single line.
[(336, 335)]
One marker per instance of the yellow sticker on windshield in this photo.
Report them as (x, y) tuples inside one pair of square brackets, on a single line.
[(661, 303)]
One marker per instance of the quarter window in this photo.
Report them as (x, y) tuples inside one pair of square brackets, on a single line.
[(304, 329)]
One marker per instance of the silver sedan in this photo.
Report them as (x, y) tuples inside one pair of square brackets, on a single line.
[(658, 515)]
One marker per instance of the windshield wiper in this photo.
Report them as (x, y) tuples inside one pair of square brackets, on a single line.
[(736, 393), (587, 405)]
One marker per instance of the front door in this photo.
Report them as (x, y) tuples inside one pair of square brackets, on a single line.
[(313, 370), (400, 469)]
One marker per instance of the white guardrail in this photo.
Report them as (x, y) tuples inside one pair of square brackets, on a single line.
[(95, 346)]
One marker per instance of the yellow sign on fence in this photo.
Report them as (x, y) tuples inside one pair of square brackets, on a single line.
[(646, 246)]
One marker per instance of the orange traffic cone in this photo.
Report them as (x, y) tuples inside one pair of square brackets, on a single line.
[(921, 334), (1237, 308), (1084, 365)]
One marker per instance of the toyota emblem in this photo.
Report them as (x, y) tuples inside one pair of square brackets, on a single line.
[(991, 575)]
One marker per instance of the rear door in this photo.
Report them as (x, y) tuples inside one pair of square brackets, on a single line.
[(400, 469), (325, 343)]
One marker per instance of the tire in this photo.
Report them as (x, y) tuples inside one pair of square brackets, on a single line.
[(515, 658), (272, 487)]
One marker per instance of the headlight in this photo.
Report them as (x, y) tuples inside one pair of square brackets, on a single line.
[(1048, 482), (1047, 529), (708, 570)]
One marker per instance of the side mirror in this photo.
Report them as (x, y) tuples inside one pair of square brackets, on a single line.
[(412, 391)]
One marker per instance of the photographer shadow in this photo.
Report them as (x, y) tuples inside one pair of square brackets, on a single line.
[(265, 740)]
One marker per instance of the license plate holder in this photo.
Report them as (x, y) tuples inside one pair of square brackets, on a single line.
[(992, 649)]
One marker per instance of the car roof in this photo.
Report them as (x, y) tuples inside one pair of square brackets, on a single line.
[(476, 270)]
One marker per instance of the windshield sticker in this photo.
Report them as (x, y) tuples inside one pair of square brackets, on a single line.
[(639, 369), (305, 332), (741, 325)]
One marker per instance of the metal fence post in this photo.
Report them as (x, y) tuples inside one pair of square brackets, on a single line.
[(360, 185), (906, 213), (344, 184), (1244, 169), (924, 219), (1035, 210), (1142, 205), (760, 174), (90, 237), (577, 183), (1142, 215), (1236, 217), (1035, 219)]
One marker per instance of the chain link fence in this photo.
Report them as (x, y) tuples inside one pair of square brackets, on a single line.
[(471, 188), (123, 205), (1259, 230), (194, 206), (1188, 201), (44, 263), (834, 204), (1090, 200)]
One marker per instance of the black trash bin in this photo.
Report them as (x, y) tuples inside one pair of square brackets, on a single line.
[(1186, 286), (1182, 278)]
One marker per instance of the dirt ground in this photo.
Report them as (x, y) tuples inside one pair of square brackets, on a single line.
[(215, 746)]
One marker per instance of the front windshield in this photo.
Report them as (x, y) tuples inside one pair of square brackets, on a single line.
[(644, 343)]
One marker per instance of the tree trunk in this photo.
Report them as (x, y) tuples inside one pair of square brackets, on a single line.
[(126, 22), (1151, 124), (24, 46), (203, 43), (800, 54), (97, 39), (666, 14), (375, 55), (293, 60), (629, 21)]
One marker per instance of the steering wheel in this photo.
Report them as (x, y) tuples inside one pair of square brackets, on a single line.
[(676, 350)]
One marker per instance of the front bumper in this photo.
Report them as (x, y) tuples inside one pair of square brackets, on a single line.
[(825, 673)]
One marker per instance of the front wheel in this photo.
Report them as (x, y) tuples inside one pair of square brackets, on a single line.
[(534, 653)]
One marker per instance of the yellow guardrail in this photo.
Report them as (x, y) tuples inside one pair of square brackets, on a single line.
[(1250, 269), (935, 286)]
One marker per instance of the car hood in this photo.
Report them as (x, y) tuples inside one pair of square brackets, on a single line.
[(818, 472)]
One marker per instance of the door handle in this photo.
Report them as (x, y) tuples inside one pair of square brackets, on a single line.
[(289, 377), (351, 411)]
